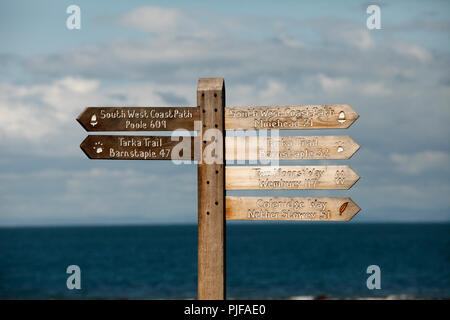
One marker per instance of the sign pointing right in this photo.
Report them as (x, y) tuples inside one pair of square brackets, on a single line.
[(290, 208), (289, 177), (290, 148), (337, 116)]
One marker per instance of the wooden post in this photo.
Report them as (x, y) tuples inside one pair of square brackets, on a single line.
[(211, 192)]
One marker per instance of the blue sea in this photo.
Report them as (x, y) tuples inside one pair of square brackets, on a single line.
[(264, 261)]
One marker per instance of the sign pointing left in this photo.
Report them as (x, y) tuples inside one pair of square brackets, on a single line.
[(138, 147), (138, 118)]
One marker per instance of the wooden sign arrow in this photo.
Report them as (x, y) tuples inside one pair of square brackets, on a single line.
[(137, 147), (337, 116), (289, 177), (290, 208), (138, 118), (290, 148)]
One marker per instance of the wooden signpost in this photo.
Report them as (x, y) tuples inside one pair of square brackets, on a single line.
[(211, 193), (210, 118)]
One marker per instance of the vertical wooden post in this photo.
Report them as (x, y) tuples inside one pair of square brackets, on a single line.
[(211, 192)]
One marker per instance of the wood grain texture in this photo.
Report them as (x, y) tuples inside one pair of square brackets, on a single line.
[(211, 195), (289, 177), (135, 147), (138, 118), (339, 116), (289, 148), (290, 208)]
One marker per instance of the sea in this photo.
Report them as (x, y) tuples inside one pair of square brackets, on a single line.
[(263, 261)]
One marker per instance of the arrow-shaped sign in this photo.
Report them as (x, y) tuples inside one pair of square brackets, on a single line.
[(338, 116), (138, 118), (138, 147), (290, 148), (236, 118), (290, 208), (289, 177)]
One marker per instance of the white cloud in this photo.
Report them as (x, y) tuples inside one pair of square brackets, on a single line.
[(423, 196), (42, 116), (78, 85), (359, 38), (421, 162), (337, 84), (375, 89), (342, 33), (154, 19), (401, 103), (344, 85), (35, 111), (413, 51), (171, 23), (97, 195), (290, 41), (272, 93)]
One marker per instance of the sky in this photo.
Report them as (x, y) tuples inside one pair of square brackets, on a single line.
[(151, 53)]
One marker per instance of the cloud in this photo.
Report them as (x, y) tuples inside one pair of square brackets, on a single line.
[(337, 84), (170, 22), (154, 19), (40, 119), (97, 194), (341, 33), (360, 39), (290, 41), (399, 89), (421, 162), (35, 111), (413, 51), (375, 89), (343, 85)]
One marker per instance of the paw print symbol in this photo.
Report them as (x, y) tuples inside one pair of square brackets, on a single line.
[(98, 147)]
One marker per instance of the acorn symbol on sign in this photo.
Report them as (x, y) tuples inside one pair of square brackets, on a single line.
[(340, 146), (341, 118), (93, 120)]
